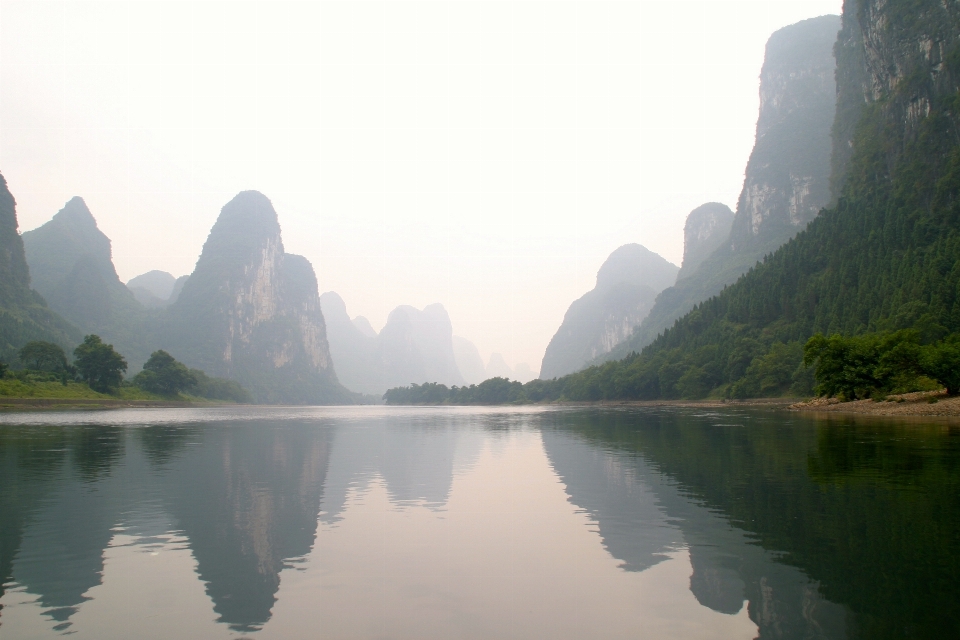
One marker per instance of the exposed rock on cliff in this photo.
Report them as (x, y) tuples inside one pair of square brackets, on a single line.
[(707, 227), (71, 266), (627, 285), (24, 315), (787, 179), (252, 313)]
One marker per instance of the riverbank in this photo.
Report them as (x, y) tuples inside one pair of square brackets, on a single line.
[(920, 403), (20, 404)]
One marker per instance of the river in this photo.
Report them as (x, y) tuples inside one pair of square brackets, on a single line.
[(466, 522)]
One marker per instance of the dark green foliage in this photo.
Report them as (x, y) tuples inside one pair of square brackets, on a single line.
[(942, 363), (99, 365), (43, 356), (163, 375), (488, 392), (218, 388), (3, 369), (793, 141), (885, 258)]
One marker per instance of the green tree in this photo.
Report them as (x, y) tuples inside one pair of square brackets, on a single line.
[(43, 356), (164, 375), (3, 369), (942, 363), (99, 364)]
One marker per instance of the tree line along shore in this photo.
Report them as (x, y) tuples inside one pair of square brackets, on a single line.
[(45, 377)]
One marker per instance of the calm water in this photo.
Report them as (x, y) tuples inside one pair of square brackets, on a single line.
[(476, 523)]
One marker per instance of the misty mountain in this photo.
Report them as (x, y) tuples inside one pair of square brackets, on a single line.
[(413, 347), (251, 312), (352, 347), (497, 367), (71, 266), (469, 361), (24, 315), (787, 179), (707, 227), (177, 288), (417, 346), (884, 257), (152, 289), (627, 285)]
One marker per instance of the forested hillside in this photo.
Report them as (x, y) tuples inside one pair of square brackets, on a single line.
[(787, 179), (886, 257)]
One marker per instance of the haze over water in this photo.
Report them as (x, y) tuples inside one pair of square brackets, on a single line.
[(474, 523)]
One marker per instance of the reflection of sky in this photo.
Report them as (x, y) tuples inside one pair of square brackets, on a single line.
[(430, 526)]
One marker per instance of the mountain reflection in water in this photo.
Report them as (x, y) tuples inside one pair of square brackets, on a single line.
[(404, 522)]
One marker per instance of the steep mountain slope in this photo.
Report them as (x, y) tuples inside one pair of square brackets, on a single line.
[(71, 266), (24, 316), (787, 179), (627, 285), (252, 313), (887, 256), (707, 227)]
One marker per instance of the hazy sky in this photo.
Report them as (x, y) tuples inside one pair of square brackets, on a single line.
[(485, 155)]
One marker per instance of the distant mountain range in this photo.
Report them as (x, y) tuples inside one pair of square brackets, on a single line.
[(414, 346)]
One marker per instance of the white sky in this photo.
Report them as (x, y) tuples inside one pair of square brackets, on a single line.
[(485, 155)]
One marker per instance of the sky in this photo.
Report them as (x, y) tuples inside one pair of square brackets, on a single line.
[(487, 155)]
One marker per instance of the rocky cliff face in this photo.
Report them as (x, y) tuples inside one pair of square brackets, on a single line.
[(71, 266), (14, 274), (707, 227), (787, 180), (252, 313), (627, 285), (24, 315)]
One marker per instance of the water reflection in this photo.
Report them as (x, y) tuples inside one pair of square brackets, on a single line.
[(841, 528), (479, 523)]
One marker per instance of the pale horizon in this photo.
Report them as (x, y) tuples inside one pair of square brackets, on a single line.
[(487, 155)]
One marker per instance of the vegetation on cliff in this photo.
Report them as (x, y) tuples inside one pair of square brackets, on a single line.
[(886, 257)]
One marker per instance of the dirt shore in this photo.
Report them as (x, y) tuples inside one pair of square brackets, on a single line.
[(921, 403)]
